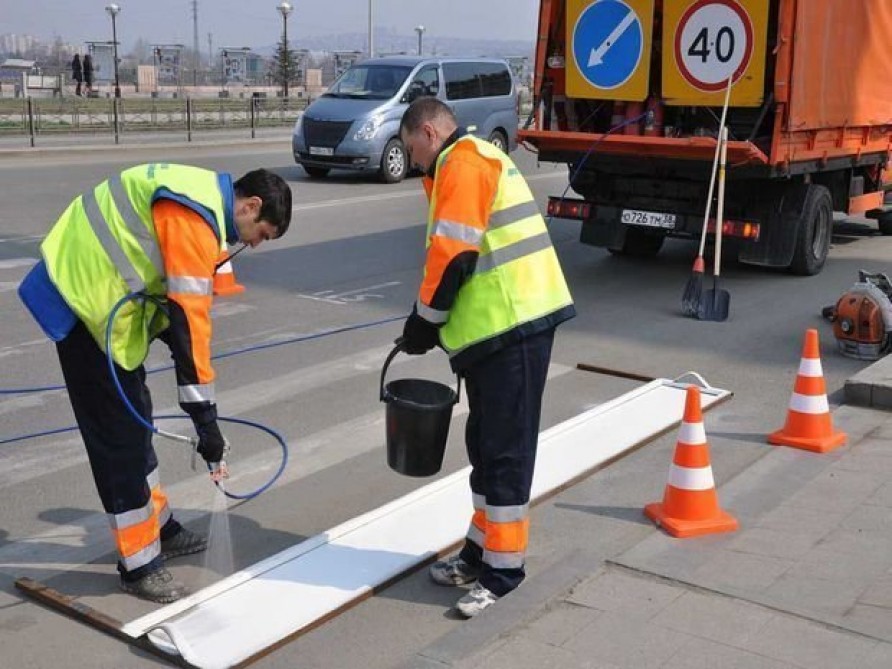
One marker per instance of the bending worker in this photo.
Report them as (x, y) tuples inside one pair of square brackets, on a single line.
[(492, 294), (156, 229)]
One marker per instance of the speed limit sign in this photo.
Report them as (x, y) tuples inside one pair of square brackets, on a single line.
[(709, 41), (714, 41)]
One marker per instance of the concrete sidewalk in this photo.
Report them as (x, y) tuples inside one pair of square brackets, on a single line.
[(806, 582)]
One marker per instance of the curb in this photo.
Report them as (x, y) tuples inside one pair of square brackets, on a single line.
[(872, 386), (93, 149)]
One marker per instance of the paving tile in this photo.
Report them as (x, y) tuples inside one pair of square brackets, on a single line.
[(875, 621), (874, 446), (622, 592), (731, 570), (705, 654), (882, 496), (715, 617), (810, 645), (776, 543), (523, 653), (879, 658), (626, 642), (858, 542), (860, 462), (792, 518), (879, 593), (830, 563), (559, 623), (819, 597), (838, 490), (871, 518)]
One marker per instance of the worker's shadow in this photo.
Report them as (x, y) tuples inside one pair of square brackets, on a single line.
[(57, 560)]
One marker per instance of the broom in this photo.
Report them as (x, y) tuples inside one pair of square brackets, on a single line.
[(693, 291)]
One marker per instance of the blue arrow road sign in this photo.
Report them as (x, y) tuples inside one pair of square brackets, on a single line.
[(607, 43)]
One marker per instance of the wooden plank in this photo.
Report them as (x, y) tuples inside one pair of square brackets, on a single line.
[(71, 607)]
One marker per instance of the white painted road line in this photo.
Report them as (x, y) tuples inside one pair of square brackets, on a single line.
[(68, 547), (17, 262), (347, 201)]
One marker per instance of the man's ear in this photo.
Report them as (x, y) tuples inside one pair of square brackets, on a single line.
[(252, 206)]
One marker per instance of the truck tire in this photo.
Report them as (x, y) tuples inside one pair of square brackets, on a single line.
[(394, 164), (639, 244), (885, 224), (814, 230), (316, 172)]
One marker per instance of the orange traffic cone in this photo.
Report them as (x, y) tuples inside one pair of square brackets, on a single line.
[(690, 504), (809, 425), (224, 277)]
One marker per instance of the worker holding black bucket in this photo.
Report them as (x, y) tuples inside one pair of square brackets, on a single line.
[(492, 295)]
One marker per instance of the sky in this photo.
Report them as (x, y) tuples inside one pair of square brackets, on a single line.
[(257, 23)]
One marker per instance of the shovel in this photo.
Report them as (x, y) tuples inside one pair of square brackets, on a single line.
[(693, 291), (716, 302)]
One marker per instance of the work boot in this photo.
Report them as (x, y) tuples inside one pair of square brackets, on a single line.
[(454, 571), (156, 586), (183, 542), (478, 599)]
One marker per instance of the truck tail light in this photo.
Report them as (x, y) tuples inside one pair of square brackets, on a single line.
[(567, 208), (742, 229)]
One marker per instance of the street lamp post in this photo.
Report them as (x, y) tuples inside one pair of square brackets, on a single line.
[(371, 30), (113, 10), (420, 31), (285, 9)]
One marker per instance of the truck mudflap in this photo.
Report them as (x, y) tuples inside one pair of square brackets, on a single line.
[(686, 148)]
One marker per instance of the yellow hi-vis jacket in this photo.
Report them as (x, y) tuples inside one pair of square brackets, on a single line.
[(492, 276), (105, 246)]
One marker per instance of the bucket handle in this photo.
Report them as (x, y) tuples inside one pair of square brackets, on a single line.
[(390, 356)]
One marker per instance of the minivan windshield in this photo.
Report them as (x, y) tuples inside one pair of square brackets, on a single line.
[(369, 82)]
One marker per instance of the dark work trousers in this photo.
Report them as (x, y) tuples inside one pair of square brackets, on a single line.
[(120, 449), (505, 398)]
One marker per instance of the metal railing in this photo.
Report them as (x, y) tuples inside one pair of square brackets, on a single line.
[(36, 117)]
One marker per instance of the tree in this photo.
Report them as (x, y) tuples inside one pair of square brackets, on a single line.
[(285, 65)]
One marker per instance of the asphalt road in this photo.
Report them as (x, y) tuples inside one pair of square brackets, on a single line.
[(353, 256)]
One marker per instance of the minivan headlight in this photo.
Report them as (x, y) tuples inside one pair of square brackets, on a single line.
[(299, 125), (369, 129)]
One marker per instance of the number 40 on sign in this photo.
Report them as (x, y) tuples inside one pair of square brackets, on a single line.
[(707, 41)]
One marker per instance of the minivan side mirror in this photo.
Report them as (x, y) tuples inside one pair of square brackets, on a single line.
[(415, 91)]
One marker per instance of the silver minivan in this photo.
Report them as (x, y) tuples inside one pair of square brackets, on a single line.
[(355, 124)]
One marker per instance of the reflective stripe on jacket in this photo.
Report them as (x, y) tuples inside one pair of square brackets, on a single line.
[(105, 246), (484, 225)]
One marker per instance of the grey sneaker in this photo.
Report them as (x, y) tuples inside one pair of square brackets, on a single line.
[(454, 571), (183, 542), (157, 586), (478, 599)]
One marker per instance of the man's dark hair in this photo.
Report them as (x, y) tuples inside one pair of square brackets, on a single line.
[(424, 110), (275, 193)]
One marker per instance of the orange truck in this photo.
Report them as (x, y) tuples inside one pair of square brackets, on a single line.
[(629, 93)]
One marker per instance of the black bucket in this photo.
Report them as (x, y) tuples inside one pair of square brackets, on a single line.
[(418, 416)]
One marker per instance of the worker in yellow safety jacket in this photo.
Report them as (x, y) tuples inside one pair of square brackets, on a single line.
[(492, 295), (159, 230)]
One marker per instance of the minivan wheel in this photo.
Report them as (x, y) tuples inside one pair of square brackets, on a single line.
[(393, 163), (497, 139), (316, 172)]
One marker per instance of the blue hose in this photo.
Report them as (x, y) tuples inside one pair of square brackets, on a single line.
[(192, 441), (140, 419)]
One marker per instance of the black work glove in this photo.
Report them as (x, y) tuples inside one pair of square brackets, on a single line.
[(419, 335), (212, 445)]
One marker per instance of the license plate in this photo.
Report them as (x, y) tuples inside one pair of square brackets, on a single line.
[(648, 219), (321, 151)]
